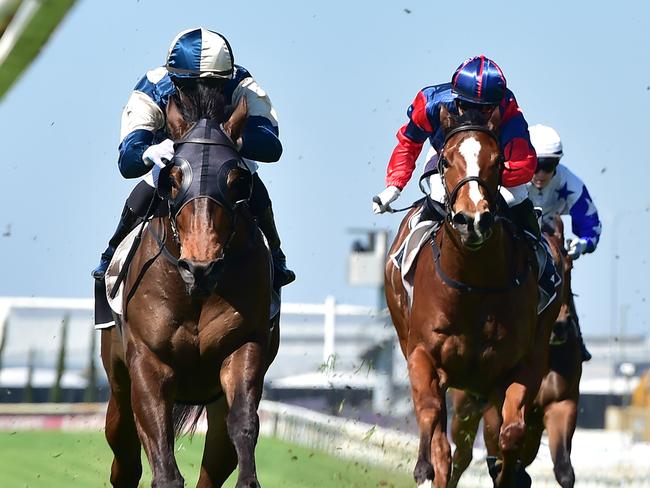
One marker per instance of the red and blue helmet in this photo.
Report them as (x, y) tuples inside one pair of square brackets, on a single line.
[(479, 80)]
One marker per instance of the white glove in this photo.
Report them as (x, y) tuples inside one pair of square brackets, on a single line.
[(381, 202), (577, 246), (159, 154)]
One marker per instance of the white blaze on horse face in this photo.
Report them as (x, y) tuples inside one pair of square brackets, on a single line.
[(470, 149)]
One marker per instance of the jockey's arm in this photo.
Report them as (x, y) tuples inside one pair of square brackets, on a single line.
[(585, 223), (141, 119), (520, 158), (259, 140), (410, 139)]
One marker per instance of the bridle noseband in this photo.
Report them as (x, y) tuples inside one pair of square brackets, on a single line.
[(451, 196)]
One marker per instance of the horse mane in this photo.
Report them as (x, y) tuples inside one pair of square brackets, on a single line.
[(202, 99)]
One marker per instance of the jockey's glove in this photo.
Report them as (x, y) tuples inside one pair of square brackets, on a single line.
[(381, 202), (577, 246), (159, 154)]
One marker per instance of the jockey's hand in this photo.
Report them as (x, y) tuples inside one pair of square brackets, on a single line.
[(381, 202), (577, 246), (159, 154)]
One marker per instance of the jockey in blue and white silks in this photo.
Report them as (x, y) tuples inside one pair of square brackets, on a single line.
[(557, 191), (196, 57)]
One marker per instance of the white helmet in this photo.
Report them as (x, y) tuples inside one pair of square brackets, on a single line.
[(546, 141)]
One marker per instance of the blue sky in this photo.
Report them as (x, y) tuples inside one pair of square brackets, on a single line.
[(341, 75)]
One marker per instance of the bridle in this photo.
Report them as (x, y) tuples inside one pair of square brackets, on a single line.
[(217, 196), (443, 163), (450, 198)]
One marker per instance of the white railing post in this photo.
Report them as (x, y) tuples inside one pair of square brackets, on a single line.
[(329, 329)]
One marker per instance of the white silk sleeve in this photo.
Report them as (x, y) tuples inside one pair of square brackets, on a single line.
[(259, 103), (141, 112)]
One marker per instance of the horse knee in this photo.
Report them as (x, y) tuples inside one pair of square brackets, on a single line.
[(512, 437)]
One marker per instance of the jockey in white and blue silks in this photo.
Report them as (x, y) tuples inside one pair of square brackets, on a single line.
[(557, 191), (195, 57)]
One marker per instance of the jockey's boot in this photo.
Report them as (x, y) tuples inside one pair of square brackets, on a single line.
[(281, 274), (525, 218), (127, 222)]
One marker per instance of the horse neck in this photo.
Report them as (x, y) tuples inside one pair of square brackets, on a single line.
[(493, 264)]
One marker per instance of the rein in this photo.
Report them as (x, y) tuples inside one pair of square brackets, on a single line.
[(515, 282)]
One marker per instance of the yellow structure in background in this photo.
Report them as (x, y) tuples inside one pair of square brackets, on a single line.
[(641, 394)]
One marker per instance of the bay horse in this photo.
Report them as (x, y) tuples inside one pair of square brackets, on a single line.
[(556, 406), (195, 324), (472, 322)]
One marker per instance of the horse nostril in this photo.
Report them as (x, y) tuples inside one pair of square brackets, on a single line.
[(462, 219), (485, 222)]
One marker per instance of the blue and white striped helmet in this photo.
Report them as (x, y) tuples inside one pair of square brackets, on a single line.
[(200, 53)]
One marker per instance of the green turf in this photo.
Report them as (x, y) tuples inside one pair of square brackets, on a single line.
[(36, 33), (57, 459)]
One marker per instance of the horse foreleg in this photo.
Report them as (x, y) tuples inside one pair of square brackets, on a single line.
[(430, 410), (219, 456), (513, 430), (120, 430), (464, 425), (242, 376), (152, 398), (560, 419)]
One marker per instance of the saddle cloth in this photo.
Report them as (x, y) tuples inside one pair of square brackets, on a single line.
[(421, 231), (406, 254), (104, 304)]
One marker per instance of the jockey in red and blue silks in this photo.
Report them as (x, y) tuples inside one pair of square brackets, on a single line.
[(195, 57), (477, 84)]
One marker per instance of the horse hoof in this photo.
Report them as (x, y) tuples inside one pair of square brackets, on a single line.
[(423, 474)]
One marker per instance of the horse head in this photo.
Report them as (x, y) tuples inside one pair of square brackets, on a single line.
[(470, 165), (207, 187)]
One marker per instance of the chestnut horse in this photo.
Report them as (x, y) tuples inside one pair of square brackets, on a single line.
[(472, 323), (556, 405), (195, 327)]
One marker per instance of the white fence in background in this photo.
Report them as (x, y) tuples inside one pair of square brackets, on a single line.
[(314, 337), (600, 459)]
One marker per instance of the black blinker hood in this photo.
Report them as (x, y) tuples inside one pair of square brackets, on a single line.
[(204, 155)]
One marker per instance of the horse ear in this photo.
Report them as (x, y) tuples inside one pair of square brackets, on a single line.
[(447, 121), (176, 125), (495, 120), (234, 126)]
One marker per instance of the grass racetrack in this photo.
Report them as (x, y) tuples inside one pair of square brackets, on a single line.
[(52, 459)]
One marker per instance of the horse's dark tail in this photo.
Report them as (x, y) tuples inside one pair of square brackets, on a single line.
[(186, 418)]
